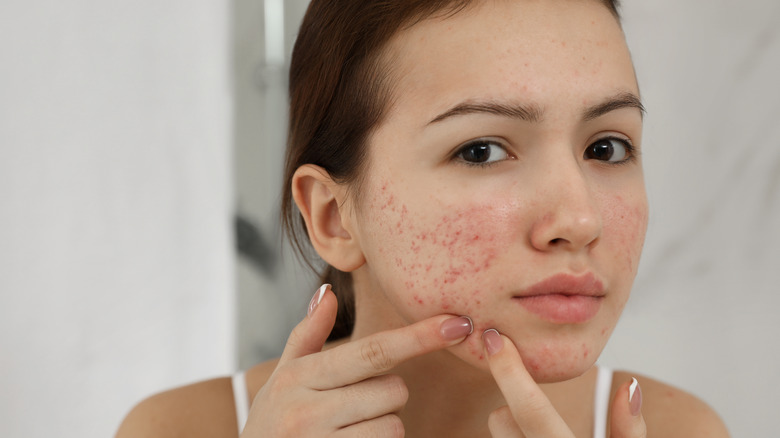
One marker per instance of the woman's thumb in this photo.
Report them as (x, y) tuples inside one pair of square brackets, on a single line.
[(310, 334)]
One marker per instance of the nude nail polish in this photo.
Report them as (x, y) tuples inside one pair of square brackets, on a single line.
[(315, 300), (456, 328), (635, 397), (493, 341)]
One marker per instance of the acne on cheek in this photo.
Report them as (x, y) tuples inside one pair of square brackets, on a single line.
[(627, 223), (440, 257)]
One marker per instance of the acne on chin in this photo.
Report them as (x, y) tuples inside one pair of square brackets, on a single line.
[(547, 362)]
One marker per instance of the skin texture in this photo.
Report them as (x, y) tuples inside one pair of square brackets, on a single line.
[(439, 235)]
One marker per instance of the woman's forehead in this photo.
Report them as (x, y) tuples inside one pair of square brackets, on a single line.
[(533, 49)]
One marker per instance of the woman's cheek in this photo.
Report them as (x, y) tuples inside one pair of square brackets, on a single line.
[(440, 255), (625, 225)]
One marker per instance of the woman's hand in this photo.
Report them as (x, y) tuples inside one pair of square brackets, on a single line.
[(343, 391), (529, 412)]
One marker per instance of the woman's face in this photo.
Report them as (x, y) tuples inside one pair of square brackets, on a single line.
[(505, 183)]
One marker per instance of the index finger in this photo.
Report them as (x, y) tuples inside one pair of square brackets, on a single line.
[(373, 355), (530, 407)]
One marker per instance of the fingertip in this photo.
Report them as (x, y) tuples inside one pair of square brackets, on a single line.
[(317, 298), (627, 418), (310, 334), (493, 341), (635, 397), (453, 329)]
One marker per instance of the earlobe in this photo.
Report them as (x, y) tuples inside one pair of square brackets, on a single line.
[(321, 201)]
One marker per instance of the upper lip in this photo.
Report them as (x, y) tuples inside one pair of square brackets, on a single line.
[(566, 284)]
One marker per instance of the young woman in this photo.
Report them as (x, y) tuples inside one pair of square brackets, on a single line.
[(470, 173)]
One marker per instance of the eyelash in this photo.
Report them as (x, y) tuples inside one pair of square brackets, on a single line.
[(630, 151), (458, 155)]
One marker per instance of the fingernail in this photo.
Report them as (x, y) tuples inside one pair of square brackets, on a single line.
[(456, 328), (493, 341), (315, 300), (634, 397)]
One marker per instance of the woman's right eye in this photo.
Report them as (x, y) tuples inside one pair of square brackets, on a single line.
[(482, 152)]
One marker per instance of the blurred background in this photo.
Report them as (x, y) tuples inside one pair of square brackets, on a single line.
[(141, 150)]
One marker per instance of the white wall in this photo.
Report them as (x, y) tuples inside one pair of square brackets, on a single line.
[(115, 197), (703, 310)]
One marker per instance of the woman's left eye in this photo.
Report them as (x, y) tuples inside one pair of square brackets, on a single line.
[(611, 149), (482, 152)]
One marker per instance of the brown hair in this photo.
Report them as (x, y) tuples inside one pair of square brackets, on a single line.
[(339, 91)]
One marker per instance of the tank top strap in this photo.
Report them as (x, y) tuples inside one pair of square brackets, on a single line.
[(601, 401), (241, 399)]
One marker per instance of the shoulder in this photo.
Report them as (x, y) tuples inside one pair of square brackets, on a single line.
[(672, 412), (202, 409)]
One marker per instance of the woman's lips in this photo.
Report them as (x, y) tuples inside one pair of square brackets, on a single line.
[(564, 298), (562, 309)]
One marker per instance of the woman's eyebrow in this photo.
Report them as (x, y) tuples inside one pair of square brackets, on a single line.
[(529, 113), (533, 113), (621, 100)]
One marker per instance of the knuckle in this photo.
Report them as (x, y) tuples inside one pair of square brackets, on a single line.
[(536, 405), (375, 353)]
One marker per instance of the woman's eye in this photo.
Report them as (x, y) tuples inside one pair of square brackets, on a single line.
[(482, 152), (611, 149)]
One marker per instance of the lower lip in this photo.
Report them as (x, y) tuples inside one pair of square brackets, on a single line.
[(562, 309)]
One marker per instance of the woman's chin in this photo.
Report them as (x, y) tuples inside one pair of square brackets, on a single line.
[(545, 362)]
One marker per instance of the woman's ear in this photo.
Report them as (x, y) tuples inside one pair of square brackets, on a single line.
[(329, 224)]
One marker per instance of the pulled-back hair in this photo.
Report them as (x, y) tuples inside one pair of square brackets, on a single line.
[(340, 88)]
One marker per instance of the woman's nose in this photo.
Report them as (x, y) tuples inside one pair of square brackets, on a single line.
[(568, 218)]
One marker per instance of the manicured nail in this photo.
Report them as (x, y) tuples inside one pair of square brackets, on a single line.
[(456, 328), (493, 341), (315, 300), (634, 397)]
